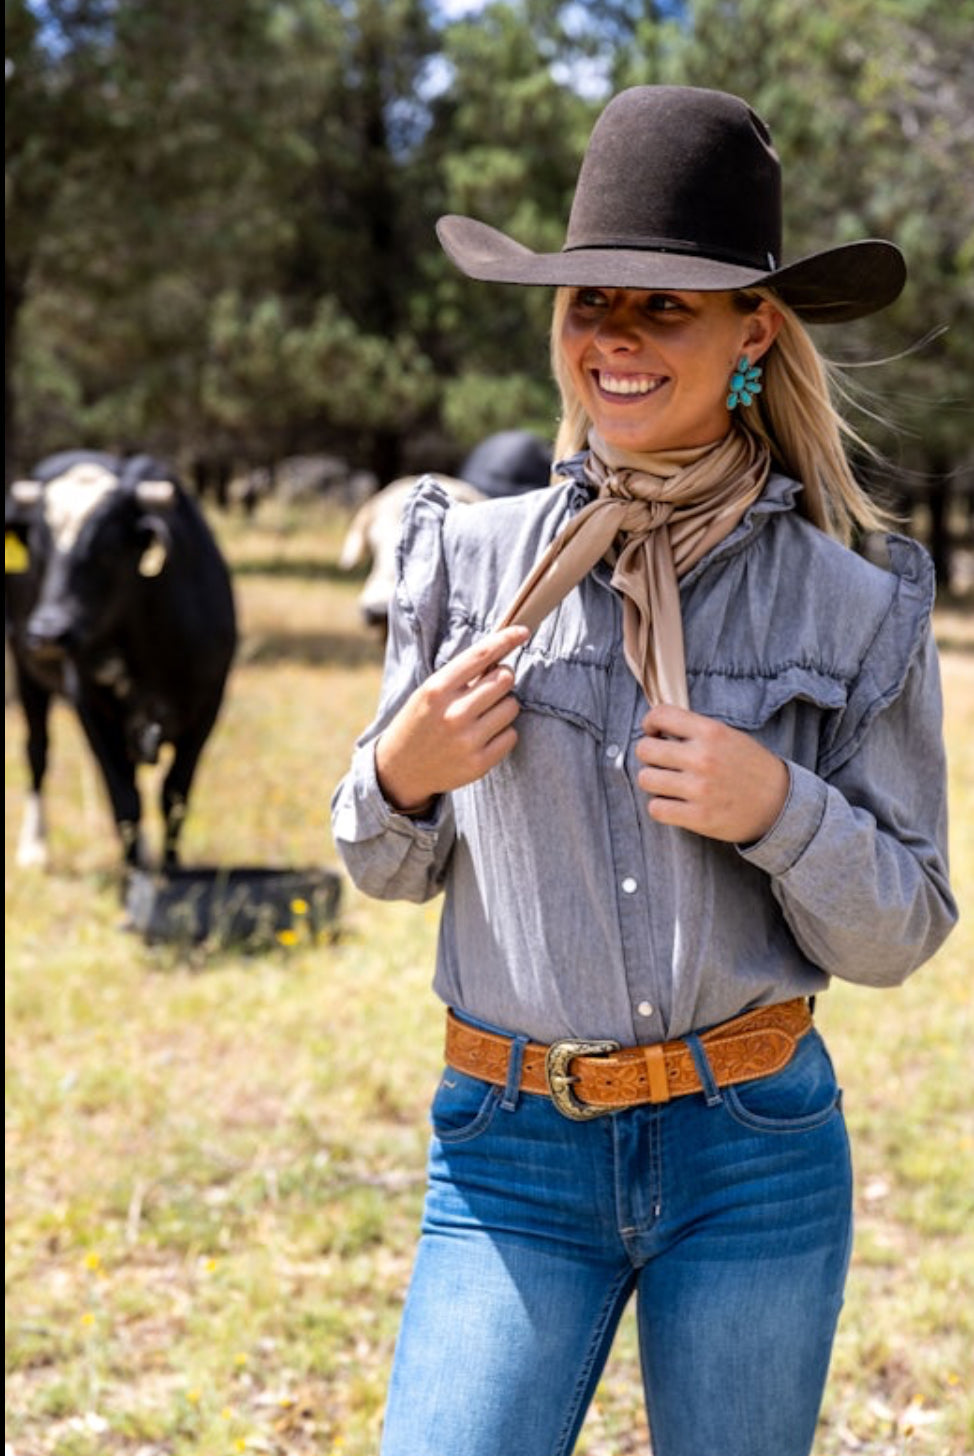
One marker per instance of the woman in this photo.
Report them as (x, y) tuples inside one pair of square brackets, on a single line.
[(673, 754)]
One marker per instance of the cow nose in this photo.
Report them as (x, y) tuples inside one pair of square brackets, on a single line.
[(48, 632)]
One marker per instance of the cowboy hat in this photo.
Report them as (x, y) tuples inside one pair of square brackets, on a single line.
[(680, 188)]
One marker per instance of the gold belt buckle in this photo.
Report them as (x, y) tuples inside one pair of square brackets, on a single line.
[(558, 1059)]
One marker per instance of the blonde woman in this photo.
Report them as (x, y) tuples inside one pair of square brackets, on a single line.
[(672, 753)]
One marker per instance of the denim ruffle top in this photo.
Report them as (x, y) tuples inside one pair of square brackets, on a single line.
[(567, 910)]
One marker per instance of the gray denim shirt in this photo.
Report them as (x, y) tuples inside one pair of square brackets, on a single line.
[(568, 911)]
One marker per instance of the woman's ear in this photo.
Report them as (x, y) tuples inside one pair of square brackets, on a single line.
[(761, 329)]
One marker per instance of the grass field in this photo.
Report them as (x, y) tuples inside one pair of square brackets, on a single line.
[(214, 1159)]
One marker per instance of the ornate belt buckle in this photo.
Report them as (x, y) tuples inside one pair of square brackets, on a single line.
[(560, 1081)]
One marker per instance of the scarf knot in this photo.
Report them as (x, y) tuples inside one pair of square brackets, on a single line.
[(640, 517), (638, 499), (636, 486)]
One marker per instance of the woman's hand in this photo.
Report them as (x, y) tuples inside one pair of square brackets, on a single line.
[(455, 727), (704, 776)]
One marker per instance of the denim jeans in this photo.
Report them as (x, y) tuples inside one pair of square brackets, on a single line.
[(727, 1214)]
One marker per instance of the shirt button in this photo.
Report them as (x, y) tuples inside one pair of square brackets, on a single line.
[(645, 1008), (630, 885), (612, 750)]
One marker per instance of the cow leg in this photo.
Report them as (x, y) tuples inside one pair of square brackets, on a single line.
[(35, 700), (106, 738), (179, 780)]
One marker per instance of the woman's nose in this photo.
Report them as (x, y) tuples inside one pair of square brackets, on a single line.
[(617, 330)]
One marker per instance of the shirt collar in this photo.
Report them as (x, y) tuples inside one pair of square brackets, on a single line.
[(778, 495)]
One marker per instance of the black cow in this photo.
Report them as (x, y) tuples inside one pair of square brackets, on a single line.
[(117, 597), (508, 463)]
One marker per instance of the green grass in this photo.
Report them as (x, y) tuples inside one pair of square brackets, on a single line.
[(215, 1158)]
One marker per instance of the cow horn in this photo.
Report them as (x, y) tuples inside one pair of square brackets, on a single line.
[(155, 492), (26, 492)]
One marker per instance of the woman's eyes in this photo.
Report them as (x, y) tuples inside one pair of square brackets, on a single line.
[(597, 299), (589, 298)]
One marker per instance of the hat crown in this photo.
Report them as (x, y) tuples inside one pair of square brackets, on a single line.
[(680, 169)]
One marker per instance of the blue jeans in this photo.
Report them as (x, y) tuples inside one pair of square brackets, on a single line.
[(727, 1213)]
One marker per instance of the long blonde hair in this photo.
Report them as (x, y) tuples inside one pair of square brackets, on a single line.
[(795, 415)]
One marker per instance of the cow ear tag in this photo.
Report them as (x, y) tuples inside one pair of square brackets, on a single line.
[(16, 557), (153, 559)]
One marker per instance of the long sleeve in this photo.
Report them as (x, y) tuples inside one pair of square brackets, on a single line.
[(389, 855), (858, 860)]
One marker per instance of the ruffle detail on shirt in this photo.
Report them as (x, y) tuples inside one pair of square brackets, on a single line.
[(458, 565), (422, 591), (749, 701), (888, 610), (575, 692), (893, 649)]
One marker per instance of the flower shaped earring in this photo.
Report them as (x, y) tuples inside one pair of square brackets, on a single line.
[(744, 383)]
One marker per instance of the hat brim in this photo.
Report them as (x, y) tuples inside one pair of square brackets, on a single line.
[(842, 283)]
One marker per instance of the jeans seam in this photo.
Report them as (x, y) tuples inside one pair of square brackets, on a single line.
[(758, 1122), (582, 1394), (477, 1125)]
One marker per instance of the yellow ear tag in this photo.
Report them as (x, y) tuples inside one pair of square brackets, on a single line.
[(16, 557)]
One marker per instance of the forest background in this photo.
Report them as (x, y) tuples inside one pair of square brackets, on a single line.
[(220, 248), (220, 217)]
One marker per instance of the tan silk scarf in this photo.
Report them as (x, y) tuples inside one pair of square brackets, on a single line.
[(654, 517)]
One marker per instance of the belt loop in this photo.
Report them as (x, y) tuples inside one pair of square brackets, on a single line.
[(704, 1070), (515, 1061)]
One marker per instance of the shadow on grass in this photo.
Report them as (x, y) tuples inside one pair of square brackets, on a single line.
[(311, 649), (308, 569)]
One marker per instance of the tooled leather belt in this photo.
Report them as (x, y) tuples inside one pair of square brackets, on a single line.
[(588, 1078)]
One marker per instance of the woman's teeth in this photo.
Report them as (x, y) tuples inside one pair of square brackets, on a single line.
[(627, 384)]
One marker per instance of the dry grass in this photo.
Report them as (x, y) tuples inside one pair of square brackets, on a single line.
[(214, 1160)]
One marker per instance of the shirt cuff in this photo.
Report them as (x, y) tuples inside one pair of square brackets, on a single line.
[(795, 827), (428, 818)]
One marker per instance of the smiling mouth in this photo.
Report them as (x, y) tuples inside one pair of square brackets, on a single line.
[(627, 386)]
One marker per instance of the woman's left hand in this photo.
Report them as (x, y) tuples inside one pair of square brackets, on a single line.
[(702, 775)]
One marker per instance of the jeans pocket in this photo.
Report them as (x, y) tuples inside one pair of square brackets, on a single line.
[(803, 1095), (462, 1106)]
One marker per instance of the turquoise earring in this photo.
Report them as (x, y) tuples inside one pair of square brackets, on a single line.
[(744, 383)]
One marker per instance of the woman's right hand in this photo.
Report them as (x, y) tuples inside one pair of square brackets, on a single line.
[(454, 728)]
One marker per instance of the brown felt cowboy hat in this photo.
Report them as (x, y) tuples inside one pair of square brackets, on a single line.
[(680, 188)]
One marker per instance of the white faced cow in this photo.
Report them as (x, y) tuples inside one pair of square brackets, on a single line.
[(117, 597), (372, 537), (507, 463)]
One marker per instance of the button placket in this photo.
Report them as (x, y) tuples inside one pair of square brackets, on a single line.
[(625, 803)]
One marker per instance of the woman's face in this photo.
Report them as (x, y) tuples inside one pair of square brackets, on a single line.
[(651, 369)]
